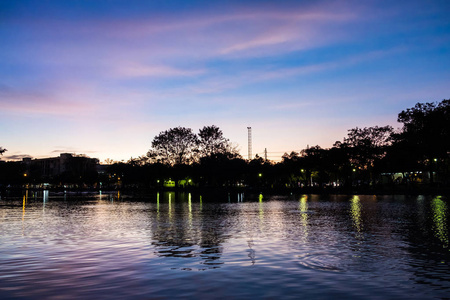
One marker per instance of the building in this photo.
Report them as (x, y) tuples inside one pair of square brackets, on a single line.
[(66, 167)]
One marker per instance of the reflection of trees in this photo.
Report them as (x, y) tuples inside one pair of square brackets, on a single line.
[(181, 228)]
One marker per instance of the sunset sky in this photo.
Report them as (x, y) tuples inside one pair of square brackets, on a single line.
[(102, 78)]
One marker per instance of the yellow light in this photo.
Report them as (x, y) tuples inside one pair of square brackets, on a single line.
[(260, 175), (25, 175)]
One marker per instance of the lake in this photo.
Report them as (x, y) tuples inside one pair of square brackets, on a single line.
[(187, 245)]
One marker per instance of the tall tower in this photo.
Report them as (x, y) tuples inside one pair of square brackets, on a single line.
[(249, 143)]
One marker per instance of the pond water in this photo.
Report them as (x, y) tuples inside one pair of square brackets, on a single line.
[(182, 245)]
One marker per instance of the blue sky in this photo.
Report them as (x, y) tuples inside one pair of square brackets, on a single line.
[(104, 77)]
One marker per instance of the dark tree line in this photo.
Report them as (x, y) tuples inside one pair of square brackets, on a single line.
[(371, 157), (416, 154)]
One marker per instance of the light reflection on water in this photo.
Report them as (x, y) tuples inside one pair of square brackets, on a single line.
[(172, 244)]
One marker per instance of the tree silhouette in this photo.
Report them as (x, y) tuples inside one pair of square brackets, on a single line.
[(426, 128), (174, 146), (2, 150), (426, 134), (366, 145)]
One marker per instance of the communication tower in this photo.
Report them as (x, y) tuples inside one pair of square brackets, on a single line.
[(249, 143)]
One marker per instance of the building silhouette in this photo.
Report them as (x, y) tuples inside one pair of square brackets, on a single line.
[(67, 166)]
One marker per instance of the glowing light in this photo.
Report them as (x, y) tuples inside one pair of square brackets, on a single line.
[(260, 175)]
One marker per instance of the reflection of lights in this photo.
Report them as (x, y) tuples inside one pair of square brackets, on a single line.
[(45, 197), (170, 206), (190, 209), (303, 203), (439, 208), (190, 203), (157, 203), (355, 211), (261, 206), (303, 206), (240, 197)]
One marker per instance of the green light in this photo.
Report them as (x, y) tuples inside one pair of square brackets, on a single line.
[(439, 208)]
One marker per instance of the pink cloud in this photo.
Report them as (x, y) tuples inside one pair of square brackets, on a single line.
[(141, 70)]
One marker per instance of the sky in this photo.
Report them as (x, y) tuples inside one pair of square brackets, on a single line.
[(103, 78)]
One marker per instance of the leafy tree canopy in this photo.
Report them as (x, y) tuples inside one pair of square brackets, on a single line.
[(174, 146)]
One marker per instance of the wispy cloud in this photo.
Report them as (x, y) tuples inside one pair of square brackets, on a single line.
[(142, 70)]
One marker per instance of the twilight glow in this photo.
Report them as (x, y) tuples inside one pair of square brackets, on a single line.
[(104, 77)]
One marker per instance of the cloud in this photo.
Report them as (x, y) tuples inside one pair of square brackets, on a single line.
[(141, 70), (16, 157), (62, 101)]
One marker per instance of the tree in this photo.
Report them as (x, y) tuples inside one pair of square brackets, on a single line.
[(426, 135), (426, 128), (174, 146), (211, 141), (367, 145), (2, 150)]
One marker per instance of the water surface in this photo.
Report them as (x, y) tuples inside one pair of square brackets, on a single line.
[(167, 245)]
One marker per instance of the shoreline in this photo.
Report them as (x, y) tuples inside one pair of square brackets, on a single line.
[(135, 191)]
